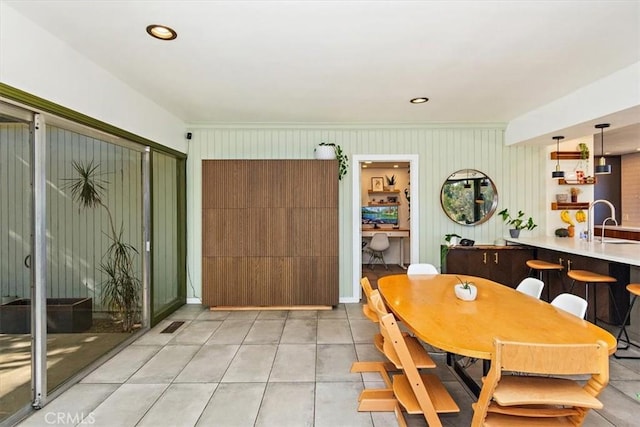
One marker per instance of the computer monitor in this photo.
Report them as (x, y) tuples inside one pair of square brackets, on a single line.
[(380, 215)]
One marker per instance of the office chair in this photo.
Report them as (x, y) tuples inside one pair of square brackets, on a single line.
[(378, 244)]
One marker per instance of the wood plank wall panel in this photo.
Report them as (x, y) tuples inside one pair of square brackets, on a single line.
[(278, 245)]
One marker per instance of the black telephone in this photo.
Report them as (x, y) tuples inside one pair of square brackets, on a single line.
[(466, 242)]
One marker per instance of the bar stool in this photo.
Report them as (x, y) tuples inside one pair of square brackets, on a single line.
[(542, 266), (589, 277), (634, 289)]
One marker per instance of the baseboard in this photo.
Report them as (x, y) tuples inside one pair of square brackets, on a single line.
[(194, 301)]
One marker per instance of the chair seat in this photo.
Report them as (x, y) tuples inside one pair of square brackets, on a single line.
[(538, 264), (590, 277), (369, 313), (440, 397), (501, 420), (634, 289), (531, 390), (420, 356), (537, 411)]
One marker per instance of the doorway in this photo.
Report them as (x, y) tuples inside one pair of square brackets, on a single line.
[(410, 198)]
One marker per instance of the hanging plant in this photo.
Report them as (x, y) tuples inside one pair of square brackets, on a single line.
[(343, 160)]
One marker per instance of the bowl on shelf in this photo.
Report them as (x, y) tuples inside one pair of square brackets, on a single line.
[(562, 198)]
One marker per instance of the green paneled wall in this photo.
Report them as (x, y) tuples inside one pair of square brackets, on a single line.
[(442, 149)]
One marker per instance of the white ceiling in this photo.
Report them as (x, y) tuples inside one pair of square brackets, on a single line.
[(350, 61)]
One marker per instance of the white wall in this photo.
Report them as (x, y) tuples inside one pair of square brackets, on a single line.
[(518, 172), (36, 62), (575, 112)]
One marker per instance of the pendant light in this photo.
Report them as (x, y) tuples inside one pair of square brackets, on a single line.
[(557, 173), (466, 182), (602, 168)]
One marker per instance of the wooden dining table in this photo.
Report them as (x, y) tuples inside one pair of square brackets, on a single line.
[(428, 307)]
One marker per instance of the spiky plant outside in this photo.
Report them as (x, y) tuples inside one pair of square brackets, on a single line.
[(121, 289)]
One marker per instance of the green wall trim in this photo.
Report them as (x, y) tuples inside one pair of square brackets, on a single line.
[(43, 105)]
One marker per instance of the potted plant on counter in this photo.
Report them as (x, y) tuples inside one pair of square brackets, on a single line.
[(518, 223)]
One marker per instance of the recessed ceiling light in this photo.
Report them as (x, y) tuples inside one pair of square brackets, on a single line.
[(161, 32), (368, 162), (364, 166), (419, 100), (396, 166)]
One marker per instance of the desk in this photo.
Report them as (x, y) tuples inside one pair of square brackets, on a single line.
[(428, 307), (392, 233)]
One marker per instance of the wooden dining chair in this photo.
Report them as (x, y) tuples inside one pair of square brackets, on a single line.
[(418, 353), (382, 399), (544, 391), (416, 393), (366, 308)]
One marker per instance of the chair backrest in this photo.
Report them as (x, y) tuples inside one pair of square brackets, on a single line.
[(531, 286), (387, 346), (367, 308), (421, 269), (549, 361), (571, 303), (379, 242)]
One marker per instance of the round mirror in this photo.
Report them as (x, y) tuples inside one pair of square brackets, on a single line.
[(469, 197)]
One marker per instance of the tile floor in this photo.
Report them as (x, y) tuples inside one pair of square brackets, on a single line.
[(266, 368)]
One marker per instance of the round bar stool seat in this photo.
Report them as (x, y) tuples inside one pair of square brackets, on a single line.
[(633, 289), (589, 277), (541, 266)]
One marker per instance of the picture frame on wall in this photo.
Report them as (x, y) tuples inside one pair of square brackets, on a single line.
[(377, 183)]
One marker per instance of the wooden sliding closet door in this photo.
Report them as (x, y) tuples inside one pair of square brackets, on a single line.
[(269, 232)]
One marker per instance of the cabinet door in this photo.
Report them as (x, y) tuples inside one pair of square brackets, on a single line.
[(508, 266), (470, 261)]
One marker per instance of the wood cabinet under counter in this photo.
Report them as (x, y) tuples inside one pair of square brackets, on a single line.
[(616, 260), (502, 264), (605, 307)]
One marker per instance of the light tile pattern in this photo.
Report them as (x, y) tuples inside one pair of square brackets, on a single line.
[(268, 368)]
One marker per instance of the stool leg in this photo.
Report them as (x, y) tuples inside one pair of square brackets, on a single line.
[(561, 280), (595, 302), (627, 340), (615, 304)]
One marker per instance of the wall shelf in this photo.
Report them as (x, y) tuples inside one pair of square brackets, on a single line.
[(555, 206), (383, 204), (563, 182), (566, 155), (384, 192)]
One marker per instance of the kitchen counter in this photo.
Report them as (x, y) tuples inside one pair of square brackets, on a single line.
[(626, 253)]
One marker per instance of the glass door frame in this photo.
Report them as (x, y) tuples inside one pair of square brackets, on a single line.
[(37, 111)]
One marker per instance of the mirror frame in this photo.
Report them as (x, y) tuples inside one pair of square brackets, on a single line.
[(477, 177)]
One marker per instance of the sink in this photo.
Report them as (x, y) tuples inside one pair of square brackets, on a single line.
[(610, 240)]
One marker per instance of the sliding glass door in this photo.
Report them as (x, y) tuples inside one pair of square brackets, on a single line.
[(92, 249), (15, 260)]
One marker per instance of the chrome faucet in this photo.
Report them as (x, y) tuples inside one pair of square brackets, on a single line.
[(590, 218)]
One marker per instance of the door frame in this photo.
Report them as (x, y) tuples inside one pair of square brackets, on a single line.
[(414, 225)]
